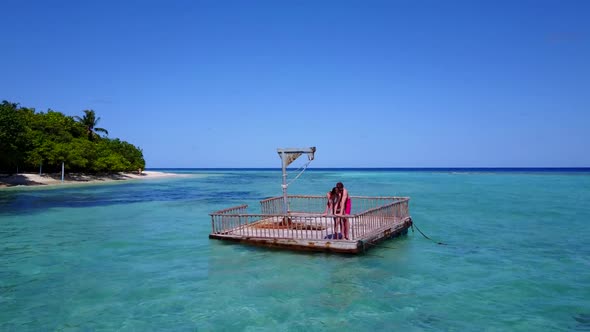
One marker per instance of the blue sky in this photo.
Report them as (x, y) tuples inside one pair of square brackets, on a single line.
[(369, 83)]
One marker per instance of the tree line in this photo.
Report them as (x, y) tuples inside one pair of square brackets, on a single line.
[(30, 141)]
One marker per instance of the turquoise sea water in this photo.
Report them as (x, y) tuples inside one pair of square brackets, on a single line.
[(135, 256)]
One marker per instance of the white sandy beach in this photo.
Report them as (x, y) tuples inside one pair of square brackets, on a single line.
[(29, 179)]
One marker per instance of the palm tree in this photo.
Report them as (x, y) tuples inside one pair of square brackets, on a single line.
[(89, 121)]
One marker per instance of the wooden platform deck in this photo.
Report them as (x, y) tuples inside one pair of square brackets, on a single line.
[(312, 231)]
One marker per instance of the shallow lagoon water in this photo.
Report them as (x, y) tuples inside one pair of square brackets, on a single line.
[(135, 256)]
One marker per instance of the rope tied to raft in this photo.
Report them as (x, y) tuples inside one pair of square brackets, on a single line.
[(425, 236), (363, 246)]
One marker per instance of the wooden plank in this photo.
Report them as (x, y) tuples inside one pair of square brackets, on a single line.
[(340, 246)]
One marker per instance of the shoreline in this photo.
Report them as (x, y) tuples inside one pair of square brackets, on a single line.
[(54, 179)]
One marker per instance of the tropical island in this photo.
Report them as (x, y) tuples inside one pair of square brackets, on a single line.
[(45, 143)]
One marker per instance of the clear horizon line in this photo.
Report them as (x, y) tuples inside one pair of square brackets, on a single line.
[(437, 167)]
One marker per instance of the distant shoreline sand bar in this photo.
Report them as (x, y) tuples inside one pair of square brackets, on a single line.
[(28, 179)]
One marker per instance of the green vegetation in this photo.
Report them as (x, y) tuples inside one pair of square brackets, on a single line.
[(29, 140)]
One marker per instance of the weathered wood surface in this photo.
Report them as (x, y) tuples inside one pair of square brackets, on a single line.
[(343, 246), (282, 239), (305, 227)]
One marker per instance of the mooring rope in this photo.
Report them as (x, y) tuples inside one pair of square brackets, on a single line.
[(364, 244), (437, 242)]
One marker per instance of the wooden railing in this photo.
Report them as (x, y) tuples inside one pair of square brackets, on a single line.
[(306, 219), (317, 204), (227, 219), (376, 218)]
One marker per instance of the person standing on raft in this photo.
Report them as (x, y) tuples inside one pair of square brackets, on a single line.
[(343, 208)]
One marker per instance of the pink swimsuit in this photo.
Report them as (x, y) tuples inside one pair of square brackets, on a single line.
[(348, 206)]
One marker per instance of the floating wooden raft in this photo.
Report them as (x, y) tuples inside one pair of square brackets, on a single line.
[(306, 227)]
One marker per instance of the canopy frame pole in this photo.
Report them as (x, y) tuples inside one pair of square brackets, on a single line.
[(283, 153), (284, 186)]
